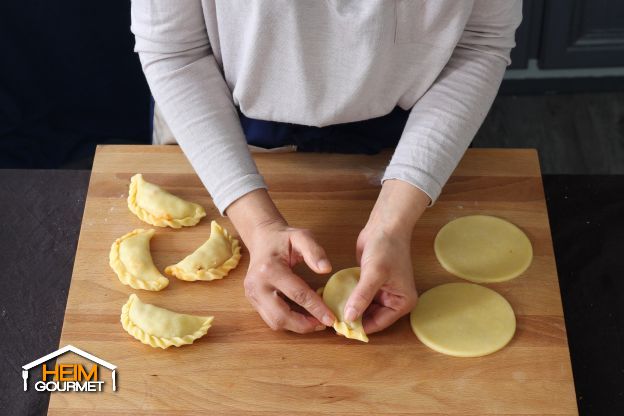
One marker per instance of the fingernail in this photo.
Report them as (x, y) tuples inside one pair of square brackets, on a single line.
[(350, 314), (319, 327), (327, 320), (323, 265)]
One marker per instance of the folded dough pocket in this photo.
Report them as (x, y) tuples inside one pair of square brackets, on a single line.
[(335, 294), (131, 260), (158, 207), (212, 260), (159, 327)]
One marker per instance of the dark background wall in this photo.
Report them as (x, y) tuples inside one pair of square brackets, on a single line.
[(68, 80)]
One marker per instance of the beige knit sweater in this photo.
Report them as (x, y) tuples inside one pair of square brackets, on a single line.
[(316, 62)]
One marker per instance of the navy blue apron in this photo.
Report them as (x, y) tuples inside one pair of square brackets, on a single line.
[(367, 136)]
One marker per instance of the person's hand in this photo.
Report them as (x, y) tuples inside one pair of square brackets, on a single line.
[(386, 290), (274, 249)]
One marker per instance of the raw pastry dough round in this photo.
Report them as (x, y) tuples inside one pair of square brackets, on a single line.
[(483, 249), (335, 294), (463, 320)]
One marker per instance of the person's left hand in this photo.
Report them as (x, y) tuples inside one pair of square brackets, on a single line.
[(386, 290)]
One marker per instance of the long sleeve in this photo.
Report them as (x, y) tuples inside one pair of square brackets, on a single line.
[(186, 82), (445, 119)]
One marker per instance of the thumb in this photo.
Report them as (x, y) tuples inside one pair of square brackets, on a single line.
[(313, 254), (369, 284)]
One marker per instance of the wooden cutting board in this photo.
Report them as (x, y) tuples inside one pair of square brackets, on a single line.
[(242, 367)]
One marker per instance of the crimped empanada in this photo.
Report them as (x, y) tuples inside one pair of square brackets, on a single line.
[(159, 327), (212, 260), (335, 294), (158, 207), (131, 259)]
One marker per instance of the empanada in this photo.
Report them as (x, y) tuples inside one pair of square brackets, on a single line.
[(158, 207), (131, 259), (159, 327), (212, 260), (335, 294)]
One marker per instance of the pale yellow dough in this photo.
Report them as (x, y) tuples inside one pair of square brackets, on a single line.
[(131, 260), (212, 260), (158, 207), (335, 294), (463, 320), (159, 327), (483, 249)]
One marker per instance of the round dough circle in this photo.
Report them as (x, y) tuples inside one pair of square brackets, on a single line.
[(463, 320), (483, 249)]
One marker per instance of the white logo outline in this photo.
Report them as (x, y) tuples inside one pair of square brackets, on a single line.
[(26, 368)]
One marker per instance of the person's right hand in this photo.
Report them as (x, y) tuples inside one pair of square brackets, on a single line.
[(274, 248)]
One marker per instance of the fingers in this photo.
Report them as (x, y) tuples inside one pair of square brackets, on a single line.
[(299, 292), (263, 295), (359, 247), (386, 309), (371, 280), (276, 312), (270, 276), (278, 315), (379, 317), (402, 303), (313, 254)]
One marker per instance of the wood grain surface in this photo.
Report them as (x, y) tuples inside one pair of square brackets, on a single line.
[(242, 367)]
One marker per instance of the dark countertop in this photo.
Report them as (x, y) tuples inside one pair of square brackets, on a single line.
[(41, 215), (587, 223)]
